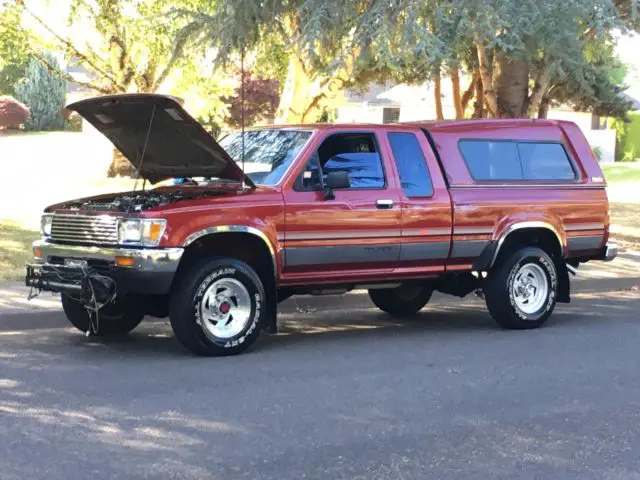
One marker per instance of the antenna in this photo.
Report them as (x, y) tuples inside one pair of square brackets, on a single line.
[(242, 106), (144, 150)]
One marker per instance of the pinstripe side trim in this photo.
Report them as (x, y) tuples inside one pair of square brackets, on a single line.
[(410, 232), (561, 186), (472, 230), (425, 232), (341, 235), (577, 227)]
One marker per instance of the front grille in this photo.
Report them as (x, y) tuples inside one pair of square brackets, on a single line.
[(86, 229)]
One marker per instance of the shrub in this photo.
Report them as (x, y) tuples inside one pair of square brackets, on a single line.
[(628, 138), (44, 92), (597, 152), (73, 123), (12, 112)]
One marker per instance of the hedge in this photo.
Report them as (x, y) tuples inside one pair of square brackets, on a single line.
[(12, 112)]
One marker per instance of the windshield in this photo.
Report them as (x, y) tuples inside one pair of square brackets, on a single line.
[(267, 153)]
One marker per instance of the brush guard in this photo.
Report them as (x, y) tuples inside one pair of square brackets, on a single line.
[(93, 290)]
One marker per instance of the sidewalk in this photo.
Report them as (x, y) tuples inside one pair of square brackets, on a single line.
[(625, 192)]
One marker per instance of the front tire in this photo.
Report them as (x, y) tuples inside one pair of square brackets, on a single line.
[(405, 300), (218, 307), (115, 319), (521, 291)]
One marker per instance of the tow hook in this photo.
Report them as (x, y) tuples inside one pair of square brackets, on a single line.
[(573, 270)]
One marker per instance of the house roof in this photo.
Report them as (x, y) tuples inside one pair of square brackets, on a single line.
[(390, 93), (632, 94), (371, 94)]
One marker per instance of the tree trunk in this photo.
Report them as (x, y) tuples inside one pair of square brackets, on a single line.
[(437, 96), (294, 94), (543, 109), (478, 105), (468, 93), (457, 99), (511, 81), (486, 68), (304, 95), (540, 90), (120, 166)]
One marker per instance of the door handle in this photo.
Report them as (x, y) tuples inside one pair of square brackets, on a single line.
[(384, 204)]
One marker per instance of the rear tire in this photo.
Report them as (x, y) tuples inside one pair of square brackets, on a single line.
[(218, 307), (521, 291), (115, 319), (405, 300)]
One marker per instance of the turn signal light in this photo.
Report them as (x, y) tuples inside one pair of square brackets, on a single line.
[(37, 253), (125, 261), (155, 231)]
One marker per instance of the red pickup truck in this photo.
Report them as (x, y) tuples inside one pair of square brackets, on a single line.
[(507, 208)]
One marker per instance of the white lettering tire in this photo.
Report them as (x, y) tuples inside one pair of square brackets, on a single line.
[(521, 291), (218, 307)]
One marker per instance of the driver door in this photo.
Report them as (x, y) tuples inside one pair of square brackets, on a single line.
[(355, 235)]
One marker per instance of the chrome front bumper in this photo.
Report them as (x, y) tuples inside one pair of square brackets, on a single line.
[(145, 259), (151, 270)]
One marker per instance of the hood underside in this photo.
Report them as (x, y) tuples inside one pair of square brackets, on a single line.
[(174, 144)]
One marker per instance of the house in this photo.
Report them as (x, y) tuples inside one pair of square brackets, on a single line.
[(390, 103)]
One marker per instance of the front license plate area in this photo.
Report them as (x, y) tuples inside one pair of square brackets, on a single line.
[(75, 263)]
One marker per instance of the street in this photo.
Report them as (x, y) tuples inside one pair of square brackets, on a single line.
[(344, 391)]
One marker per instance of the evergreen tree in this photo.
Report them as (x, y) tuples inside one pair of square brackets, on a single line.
[(43, 91)]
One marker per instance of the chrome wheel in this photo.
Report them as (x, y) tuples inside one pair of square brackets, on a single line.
[(225, 309), (530, 288)]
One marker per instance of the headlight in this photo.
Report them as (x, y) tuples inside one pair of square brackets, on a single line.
[(45, 225), (141, 231)]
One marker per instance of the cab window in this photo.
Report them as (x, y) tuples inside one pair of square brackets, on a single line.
[(354, 153)]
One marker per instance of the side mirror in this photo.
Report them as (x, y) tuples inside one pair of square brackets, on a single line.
[(339, 179)]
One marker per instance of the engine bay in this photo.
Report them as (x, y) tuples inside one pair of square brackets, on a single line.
[(139, 201)]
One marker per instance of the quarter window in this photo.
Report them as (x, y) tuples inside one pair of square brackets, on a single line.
[(545, 161), (412, 166), (513, 160)]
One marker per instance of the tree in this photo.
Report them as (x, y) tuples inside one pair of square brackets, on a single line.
[(316, 73), (598, 88), (258, 102), (135, 49), (521, 48), (43, 91), (14, 48)]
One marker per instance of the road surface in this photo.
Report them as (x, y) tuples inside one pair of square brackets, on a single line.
[(343, 393)]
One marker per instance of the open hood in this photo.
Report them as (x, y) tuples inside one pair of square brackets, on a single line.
[(175, 145)]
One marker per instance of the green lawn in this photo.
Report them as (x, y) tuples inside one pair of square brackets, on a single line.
[(15, 250), (622, 172)]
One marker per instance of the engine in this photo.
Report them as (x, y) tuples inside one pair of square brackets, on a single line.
[(138, 201)]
